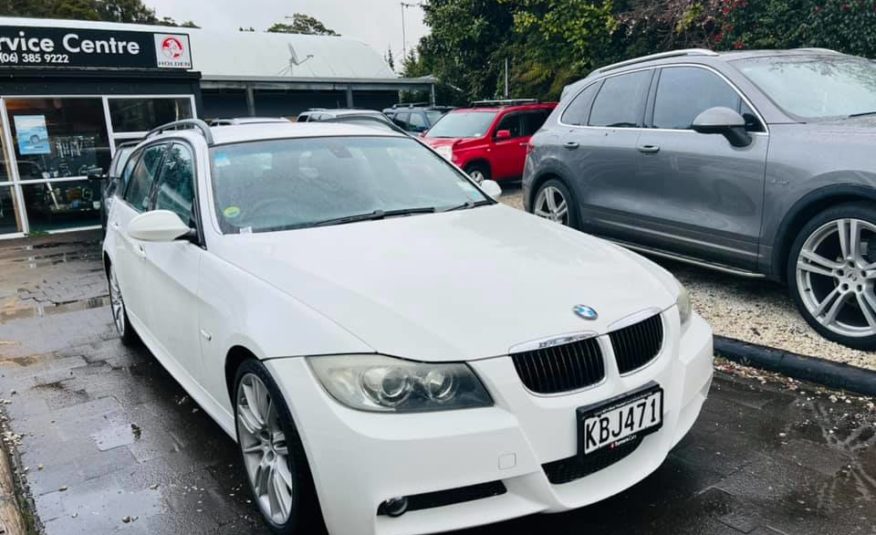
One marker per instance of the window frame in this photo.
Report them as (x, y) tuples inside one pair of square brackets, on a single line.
[(516, 114), (142, 151), (153, 194), (652, 99), (642, 105), (588, 105)]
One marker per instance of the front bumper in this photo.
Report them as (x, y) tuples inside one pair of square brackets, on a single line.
[(360, 459)]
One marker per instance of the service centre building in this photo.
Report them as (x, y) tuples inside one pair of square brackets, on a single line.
[(71, 91)]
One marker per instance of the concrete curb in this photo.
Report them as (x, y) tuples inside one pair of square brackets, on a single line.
[(825, 372)]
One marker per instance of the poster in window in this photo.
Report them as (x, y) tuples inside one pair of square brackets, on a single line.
[(33, 136)]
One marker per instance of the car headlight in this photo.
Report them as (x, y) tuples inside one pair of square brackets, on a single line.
[(683, 303), (385, 384), (445, 151)]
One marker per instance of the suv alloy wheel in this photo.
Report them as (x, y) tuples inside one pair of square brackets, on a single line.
[(832, 274), (555, 202)]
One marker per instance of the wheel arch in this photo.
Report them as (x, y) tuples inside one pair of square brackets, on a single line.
[(479, 161), (804, 210), (235, 356)]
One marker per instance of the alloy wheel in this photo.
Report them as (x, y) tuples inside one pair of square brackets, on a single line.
[(116, 302), (265, 452), (477, 175), (550, 203), (836, 275)]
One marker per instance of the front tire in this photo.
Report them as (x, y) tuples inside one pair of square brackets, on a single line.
[(831, 273), (272, 454), (478, 172), (555, 202), (120, 312)]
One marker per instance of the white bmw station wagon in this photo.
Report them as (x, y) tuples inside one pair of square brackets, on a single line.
[(393, 351)]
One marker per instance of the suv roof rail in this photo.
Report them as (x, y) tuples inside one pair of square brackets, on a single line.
[(659, 55), (816, 49), (505, 102), (410, 104), (185, 123)]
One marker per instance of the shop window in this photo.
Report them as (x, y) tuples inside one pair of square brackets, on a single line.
[(8, 221), (58, 137), (143, 114), (60, 205)]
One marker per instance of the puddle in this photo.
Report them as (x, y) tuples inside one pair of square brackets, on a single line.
[(41, 309)]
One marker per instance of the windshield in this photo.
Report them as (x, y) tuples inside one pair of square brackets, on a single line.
[(815, 88), (296, 183), (463, 124)]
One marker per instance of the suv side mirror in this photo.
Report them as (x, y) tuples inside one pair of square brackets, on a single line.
[(96, 173), (724, 121), (159, 226), (503, 134)]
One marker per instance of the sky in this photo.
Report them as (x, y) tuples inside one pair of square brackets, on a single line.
[(376, 22)]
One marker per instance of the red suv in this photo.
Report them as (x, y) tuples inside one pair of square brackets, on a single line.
[(490, 139)]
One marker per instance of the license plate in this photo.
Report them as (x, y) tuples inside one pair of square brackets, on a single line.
[(621, 420)]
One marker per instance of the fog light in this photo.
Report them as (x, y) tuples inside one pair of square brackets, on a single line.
[(394, 506)]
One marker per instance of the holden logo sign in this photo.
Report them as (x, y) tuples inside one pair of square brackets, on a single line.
[(172, 51)]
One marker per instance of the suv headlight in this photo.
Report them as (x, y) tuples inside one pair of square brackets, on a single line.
[(385, 384), (683, 303), (445, 151)]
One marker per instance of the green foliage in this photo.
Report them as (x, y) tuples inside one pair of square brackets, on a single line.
[(131, 11), (301, 23)]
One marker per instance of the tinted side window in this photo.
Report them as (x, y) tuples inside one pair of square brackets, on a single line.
[(176, 185), (685, 92), (401, 119), (511, 122), (619, 102), (577, 112), (417, 122), (137, 193), (532, 121)]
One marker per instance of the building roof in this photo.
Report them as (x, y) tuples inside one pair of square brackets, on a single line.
[(226, 55)]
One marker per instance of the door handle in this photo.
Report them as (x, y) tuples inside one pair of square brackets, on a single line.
[(648, 149), (570, 145)]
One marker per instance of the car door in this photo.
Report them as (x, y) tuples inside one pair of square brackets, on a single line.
[(599, 147), (128, 254), (697, 195), (508, 155), (171, 269)]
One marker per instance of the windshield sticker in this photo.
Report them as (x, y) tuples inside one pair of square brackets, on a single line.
[(245, 230), (231, 212)]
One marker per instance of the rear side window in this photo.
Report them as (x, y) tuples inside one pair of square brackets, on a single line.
[(176, 185), (401, 119), (417, 122), (137, 193), (532, 121), (685, 92), (619, 102), (576, 113)]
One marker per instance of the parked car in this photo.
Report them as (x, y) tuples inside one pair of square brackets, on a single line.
[(314, 289), (490, 139), (322, 114), (758, 163), (416, 117)]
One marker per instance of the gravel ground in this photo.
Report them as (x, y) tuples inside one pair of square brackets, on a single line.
[(756, 311)]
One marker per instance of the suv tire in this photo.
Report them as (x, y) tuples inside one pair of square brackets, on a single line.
[(831, 273), (268, 441), (478, 172), (555, 202)]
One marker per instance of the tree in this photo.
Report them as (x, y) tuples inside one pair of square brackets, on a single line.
[(304, 24), (130, 11), (389, 59)]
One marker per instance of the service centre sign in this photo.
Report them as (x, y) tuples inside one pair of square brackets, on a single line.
[(25, 46)]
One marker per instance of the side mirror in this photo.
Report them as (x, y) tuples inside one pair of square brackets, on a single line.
[(724, 121), (492, 188), (159, 226), (503, 134)]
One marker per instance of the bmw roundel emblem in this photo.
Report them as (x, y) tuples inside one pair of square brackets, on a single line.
[(585, 312)]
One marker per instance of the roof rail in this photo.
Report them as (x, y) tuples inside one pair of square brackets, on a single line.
[(185, 123), (410, 104), (660, 55), (816, 49), (505, 102)]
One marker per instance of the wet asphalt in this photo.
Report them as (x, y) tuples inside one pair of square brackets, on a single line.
[(105, 440)]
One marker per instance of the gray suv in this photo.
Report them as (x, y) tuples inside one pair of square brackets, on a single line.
[(757, 163)]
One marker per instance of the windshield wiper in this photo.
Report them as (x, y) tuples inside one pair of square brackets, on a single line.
[(862, 114), (466, 205), (372, 216)]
